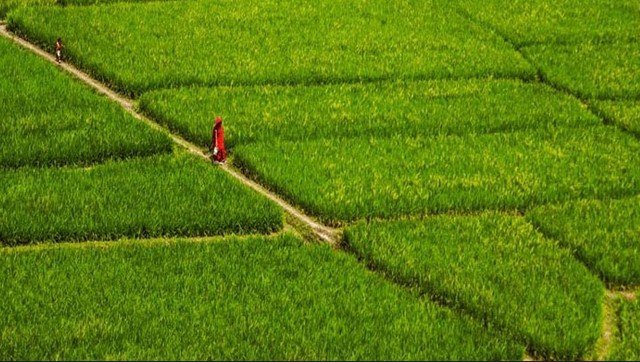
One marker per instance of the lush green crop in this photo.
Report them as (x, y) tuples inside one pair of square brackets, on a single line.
[(604, 234), (48, 118), (627, 347), (139, 47), (374, 109), (251, 298), (164, 195), (347, 179), (496, 266), (624, 114), (607, 71), (7, 5), (559, 21), (99, 2)]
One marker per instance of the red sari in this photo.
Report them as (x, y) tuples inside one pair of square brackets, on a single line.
[(217, 141)]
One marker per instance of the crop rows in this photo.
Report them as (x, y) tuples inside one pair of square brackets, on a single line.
[(171, 195), (526, 22), (496, 266), (251, 298), (348, 179), (48, 118), (140, 47), (380, 109), (625, 114), (605, 71), (604, 234)]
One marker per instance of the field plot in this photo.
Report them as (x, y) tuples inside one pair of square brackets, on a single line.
[(7, 5), (496, 266), (375, 109), (628, 346), (48, 118), (625, 114), (606, 71), (139, 47), (250, 298), (348, 179), (526, 22), (604, 234), (164, 195)]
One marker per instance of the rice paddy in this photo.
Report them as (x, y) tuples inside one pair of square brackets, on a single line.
[(478, 162)]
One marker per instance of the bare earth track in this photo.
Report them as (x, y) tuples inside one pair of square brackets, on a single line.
[(323, 232)]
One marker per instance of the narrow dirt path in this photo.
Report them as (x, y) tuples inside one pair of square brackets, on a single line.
[(321, 231)]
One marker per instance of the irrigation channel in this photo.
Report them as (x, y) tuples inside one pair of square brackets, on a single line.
[(322, 232)]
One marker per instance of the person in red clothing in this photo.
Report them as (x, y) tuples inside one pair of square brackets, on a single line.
[(218, 151), (59, 47)]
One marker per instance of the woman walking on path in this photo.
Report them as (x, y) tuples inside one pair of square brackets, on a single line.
[(59, 47), (218, 151)]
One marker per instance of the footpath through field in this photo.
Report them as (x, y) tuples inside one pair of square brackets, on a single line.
[(323, 232)]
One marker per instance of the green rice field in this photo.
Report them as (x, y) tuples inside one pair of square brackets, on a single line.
[(473, 168), (346, 180), (160, 196), (628, 348), (50, 119), (604, 234), (601, 71), (625, 114), (498, 267), (265, 42), (526, 22), (344, 111), (231, 298)]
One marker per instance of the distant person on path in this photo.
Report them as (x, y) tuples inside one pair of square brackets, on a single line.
[(218, 151), (59, 47)]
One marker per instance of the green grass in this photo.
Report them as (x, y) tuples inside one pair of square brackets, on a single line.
[(561, 21), (48, 118), (604, 234), (606, 71), (627, 347), (375, 109), (348, 179), (139, 47), (238, 298), (625, 114), (498, 268), (164, 195)]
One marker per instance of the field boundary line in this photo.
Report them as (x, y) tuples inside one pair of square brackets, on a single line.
[(609, 331), (323, 232), (126, 241)]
